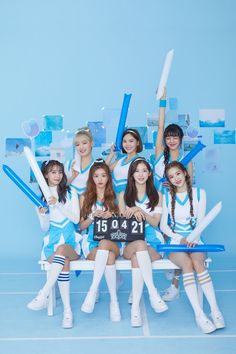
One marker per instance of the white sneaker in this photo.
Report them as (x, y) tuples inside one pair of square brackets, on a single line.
[(39, 302), (171, 293), (170, 274), (115, 315), (89, 302), (130, 298), (218, 320), (67, 321), (205, 324), (136, 319), (157, 303)]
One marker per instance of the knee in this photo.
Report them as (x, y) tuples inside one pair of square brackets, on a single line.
[(66, 266), (111, 258), (134, 261), (141, 246), (60, 250), (104, 245), (187, 266), (198, 265)]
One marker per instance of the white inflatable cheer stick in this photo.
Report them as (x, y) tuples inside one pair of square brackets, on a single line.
[(77, 164), (37, 172), (165, 74), (195, 234)]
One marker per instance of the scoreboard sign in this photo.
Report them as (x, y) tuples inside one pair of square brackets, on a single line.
[(118, 229)]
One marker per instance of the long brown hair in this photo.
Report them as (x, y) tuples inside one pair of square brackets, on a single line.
[(173, 190), (62, 187), (90, 195), (131, 195)]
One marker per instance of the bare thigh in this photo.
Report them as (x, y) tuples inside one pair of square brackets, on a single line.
[(153, 254), (182, 260)]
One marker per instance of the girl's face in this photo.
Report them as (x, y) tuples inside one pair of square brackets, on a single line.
[(100, 178), (83, 145), (141, 173), (54, 176), (177, 177), (173, 142), (130, 144)]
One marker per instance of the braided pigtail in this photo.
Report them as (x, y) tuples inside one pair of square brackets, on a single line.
[(166, 155), (173, 199), (190, 196)]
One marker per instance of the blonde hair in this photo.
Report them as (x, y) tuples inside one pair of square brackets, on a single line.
[(82, 131)]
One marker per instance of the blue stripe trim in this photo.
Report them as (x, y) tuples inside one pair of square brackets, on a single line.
[(64, 277), (59, 260), (77, 189), (89, 165), (158, 159), (59, 223), (182, 202), (123, 163)]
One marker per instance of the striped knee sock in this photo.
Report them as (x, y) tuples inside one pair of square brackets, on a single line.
[(56, 268), (191, 291), (64, 287), (205, 281)]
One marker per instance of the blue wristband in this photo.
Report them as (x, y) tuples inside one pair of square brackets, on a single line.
[(162, 103)]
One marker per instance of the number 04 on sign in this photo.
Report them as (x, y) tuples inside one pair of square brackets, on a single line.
[(118, 229)]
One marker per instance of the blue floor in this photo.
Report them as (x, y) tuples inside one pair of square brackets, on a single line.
[(24, 331)]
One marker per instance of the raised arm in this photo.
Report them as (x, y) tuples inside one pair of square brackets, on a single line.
[(161, 126), (110, 158)]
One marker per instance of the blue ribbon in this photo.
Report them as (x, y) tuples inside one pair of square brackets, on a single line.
[(23, 187)]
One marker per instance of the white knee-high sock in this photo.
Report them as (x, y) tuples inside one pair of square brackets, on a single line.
[(145, 266), (137, 287), (191, 291), (208, 289), (64, 287), (56, 268), (99, 268), (110, 275)]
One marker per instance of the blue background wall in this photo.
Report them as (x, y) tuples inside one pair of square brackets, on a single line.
[(74, 57)]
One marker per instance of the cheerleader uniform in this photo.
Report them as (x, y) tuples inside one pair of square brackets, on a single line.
[(120, 174), (80, 182), (159, 168), (153, 236), (88, 243), (59, 224), (182, 227)]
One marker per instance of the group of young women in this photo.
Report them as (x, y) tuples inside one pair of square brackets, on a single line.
[(129, 186)]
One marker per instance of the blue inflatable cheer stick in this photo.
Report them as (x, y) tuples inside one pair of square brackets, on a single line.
[(121, 126), (23, 187), (195, 150), (185, 160), (184, 248)]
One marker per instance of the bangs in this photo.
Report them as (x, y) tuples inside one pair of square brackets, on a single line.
[(173, 130)]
